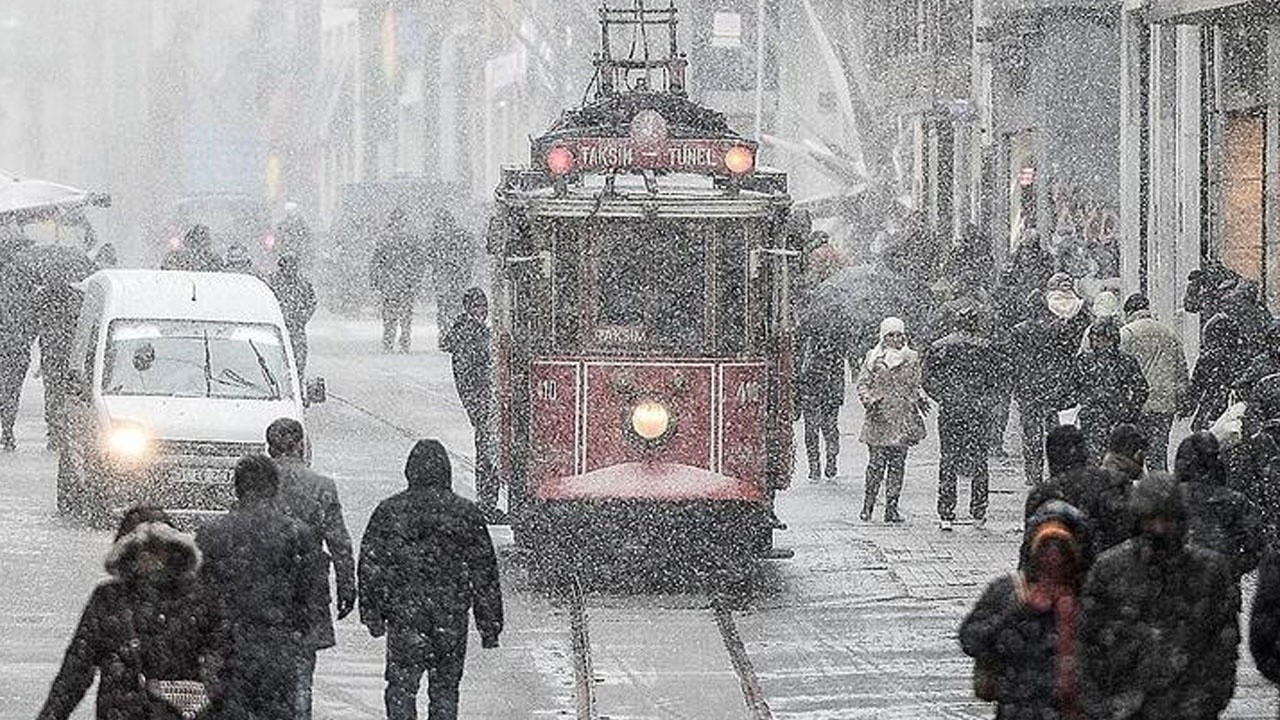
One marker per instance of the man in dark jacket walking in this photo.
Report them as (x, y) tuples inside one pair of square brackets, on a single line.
[(1160, 631), (311, 498), (1109, 386), (1218, 518), (57, 311), (425, 561), (1103, 498), (822, 353), (195, 254), (263, 567), (297, 299), (16, 337), (470, 343), (396, 272), (960, 372)]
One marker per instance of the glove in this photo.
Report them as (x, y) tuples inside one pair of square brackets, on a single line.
[(377, 628), (346, 603), (489, 642)]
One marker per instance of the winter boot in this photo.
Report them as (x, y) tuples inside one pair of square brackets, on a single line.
[(815, 471), (831, 469), (868, 506), (7, 443), (891, 511)]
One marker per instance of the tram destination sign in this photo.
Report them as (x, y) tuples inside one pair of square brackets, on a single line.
[(676, 155)]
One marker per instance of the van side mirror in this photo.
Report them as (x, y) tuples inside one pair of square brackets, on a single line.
[(317, 391)]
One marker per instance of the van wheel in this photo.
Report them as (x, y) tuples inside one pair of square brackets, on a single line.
[(78, 498)]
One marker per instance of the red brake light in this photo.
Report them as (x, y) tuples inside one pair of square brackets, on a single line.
[(560, 160), (739, 160), (175, 242), (269, 242)]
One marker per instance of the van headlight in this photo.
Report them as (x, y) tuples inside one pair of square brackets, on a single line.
[(650, 420), (128, 442)]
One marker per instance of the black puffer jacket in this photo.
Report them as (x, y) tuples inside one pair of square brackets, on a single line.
[(1161, 621), (426, 559), (162, 625), (1221, 363), (1218, 518), (1264, 624), (1044, 351), (1011, 639), (961, 372), (1110, 389)]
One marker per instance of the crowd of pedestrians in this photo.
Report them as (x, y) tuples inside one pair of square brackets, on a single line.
[(227, 624)]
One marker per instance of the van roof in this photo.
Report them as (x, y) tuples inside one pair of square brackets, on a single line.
[(177, 295)]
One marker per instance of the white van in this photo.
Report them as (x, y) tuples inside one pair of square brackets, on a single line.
[(174, 377)]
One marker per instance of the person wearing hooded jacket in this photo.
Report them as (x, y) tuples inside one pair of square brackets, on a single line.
[(1158, 350), (1102, 497), (426, 560), (1109, 386), (263, 566), (1042, 352), (1160, 629), (151, 621), (889, 388), (1023, 632), (1218, 518), (822, 351), (1221, 363), (470, 344)]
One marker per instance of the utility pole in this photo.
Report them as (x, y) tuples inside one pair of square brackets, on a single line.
[(759, 69)]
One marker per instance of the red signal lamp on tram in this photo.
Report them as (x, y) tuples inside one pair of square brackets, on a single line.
[(560, 160), (739, 160)]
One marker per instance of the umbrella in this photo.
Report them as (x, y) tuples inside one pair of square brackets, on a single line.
[(26, 199)]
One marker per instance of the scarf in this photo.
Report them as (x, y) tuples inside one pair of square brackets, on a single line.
[(1063, 303)]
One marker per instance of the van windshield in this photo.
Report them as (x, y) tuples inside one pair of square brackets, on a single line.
[(191, 359)]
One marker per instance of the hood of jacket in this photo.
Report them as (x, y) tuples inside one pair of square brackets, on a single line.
[(1158, 496), (1062, 513), (428, 467), (1199, 460), (179, 550)]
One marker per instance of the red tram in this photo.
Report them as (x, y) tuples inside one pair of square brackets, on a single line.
[(642, 319)]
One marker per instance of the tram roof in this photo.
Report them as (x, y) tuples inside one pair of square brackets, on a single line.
[(673, 195)]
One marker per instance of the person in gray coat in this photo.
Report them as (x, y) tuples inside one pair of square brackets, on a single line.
[(312, 498), (889, 388), (1158, 350)]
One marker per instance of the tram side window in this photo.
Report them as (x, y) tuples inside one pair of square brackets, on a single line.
[(651, 286), (731, 288), (568, 263)]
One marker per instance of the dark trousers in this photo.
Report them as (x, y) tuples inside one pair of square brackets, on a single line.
[(13, 371), (887, 465), (1037, 419), (479, 407), (962, 435), (999, 418), (53, 372), (1157, 426), (822, 420), (306, 676), (262, 676), (397, 315), (298, 335), (409, 655)]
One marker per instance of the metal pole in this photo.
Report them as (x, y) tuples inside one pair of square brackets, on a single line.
[(759, 69)]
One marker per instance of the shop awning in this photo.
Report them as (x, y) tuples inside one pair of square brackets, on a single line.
[(1211, 11)]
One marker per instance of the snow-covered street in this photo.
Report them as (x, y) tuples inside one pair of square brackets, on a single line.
[(861, 623)]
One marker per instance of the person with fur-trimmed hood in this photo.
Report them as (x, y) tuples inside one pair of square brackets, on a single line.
[(426, 562), (1161, 618), (1022, 634), (151, 621)]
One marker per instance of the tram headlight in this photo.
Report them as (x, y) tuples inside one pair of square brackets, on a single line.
[(739, 160), (560, 160), (128, 442), (650, 420)]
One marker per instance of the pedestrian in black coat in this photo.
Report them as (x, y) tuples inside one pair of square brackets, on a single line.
[(960, 372), (822, 353), (195, 254), (151, 621), (1042, 353), (1102, 497), (312, 498), (17, 333), (1218, 518), (57, 311), (396, 271), (263, 566), (470, 343), (425, 561), (297, 299), (1022, 634), (1264, 622), (1221, 363), (1109, 386), (1161, 619)]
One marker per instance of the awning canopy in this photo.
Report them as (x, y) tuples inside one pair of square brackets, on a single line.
[(1211, 11), (25, 200)]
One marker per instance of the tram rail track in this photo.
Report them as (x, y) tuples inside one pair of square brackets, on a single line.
[(586, 704)]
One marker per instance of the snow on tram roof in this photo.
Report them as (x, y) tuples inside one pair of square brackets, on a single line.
[(173, 294)]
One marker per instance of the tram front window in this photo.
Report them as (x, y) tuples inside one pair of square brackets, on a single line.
[(650, 287)]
